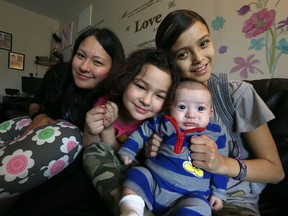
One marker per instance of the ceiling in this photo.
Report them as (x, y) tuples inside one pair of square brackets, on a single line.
[(50, 8)]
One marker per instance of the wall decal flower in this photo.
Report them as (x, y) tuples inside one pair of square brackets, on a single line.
[(223, 49), (265, 33), (259, 22), (246, 66), (218, 23)]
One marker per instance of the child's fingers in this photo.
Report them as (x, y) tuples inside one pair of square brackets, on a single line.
[(111, 107)]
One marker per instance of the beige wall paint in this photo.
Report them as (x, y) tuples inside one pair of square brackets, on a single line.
[(136, 22), (31, 35)]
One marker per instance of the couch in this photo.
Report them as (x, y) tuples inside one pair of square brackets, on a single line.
[(71, 192)]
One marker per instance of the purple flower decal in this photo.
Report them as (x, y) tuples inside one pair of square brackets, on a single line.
[(245, 66), (283, 23), (222, 49), (244, 10)]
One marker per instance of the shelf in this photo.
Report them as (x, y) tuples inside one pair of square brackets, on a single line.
[(45, 63)]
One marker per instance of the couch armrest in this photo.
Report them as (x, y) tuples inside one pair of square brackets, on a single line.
[(274, 92)]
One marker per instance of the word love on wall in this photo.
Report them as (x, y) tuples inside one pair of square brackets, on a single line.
[(140, 25)]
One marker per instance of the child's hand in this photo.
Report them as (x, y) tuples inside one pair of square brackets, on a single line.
[(126, 160), (93, 125), (94, 121), (111, 114)]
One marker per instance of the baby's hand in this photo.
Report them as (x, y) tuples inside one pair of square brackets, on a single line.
[(126, 160), (216, 203)]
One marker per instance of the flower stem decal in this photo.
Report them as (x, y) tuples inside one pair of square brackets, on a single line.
[(262, 28)]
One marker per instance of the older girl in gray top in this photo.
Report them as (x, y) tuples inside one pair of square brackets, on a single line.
[(237, 108)]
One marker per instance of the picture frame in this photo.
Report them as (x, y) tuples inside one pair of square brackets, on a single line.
[(5, 40), (67, 35), (16, 61)]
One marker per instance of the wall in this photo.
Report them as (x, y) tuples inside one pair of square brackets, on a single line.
[(136, 22), (241, 57), (31, 36)]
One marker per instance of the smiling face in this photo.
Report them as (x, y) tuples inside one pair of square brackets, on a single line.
[(194, 53), (192, 106), (91, 64), (145, 95)]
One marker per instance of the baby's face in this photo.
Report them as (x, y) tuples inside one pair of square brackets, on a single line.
[(191, 108)]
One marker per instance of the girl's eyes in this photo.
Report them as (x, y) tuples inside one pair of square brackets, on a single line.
[(204, 43), (161, 96), (79, 55), (140, 86), (184, 53), (97, 62), (82, 56), (181, 55)]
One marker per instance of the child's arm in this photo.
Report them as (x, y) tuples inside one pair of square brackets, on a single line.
[(107, 135), (137, 140), (93, 125)]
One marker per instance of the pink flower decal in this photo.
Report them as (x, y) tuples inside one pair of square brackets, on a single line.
[(262, 23), (259, 22)]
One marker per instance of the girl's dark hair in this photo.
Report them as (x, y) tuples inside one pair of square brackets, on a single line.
[(116, 82), (173, 25)]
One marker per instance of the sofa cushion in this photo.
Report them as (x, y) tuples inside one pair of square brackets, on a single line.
[(72, 193)]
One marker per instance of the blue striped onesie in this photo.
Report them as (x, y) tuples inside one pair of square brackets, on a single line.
[(169, 181)]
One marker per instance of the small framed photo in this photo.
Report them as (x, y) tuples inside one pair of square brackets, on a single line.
[(67, 36), (16, 61), (5, 40)]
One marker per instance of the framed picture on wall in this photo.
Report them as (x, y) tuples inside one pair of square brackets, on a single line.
[(5, 40), (67, 35), (16, 61)]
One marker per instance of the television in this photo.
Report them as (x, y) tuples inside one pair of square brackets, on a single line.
[(30, 85)]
